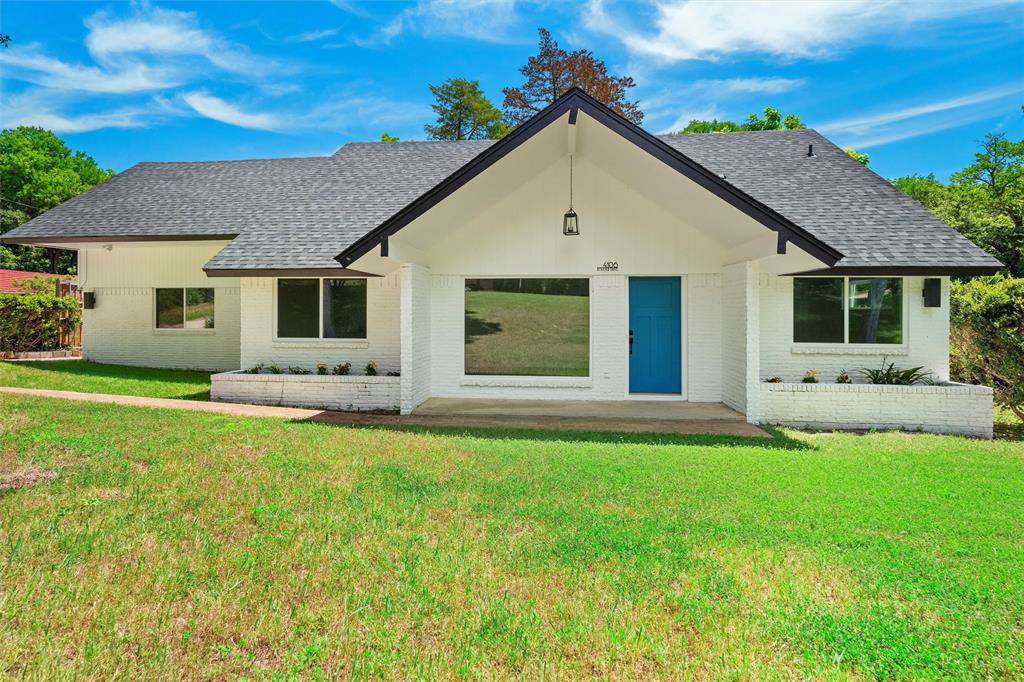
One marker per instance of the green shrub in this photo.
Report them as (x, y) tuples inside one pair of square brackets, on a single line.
[(893, 376), (35, 321), (295, 369), (987, 337)]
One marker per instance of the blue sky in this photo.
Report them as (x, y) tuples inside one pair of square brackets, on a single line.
[(914, 84)]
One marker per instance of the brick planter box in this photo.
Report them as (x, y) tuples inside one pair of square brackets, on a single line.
[(348, 393), (944, 408)]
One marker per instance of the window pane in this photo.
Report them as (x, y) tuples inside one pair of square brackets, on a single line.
[(169, 308), (344, 308), (199, 308), (297, 314), (532, 327), (818, 310), (876, 310)]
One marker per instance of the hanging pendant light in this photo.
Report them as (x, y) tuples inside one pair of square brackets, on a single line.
[(570, 221)]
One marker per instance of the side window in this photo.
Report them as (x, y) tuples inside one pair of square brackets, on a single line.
[(185, 308), (818, 310)]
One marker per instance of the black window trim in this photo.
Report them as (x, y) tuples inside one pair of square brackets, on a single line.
[(184, 311), (845, 343), (320, 338)]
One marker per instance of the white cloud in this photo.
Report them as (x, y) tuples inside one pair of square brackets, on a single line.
[(29, 63), (161, 33), (38, 108), (879, 128), (732, 86), (312, 36), (219, 110), (684, 118), (702, 29), (484, 20)]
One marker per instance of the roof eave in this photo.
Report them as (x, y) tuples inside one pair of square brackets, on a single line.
[(951, 270), (571, 101)]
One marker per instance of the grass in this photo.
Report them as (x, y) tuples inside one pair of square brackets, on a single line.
[(91, 377), (527, 334), (159, 543)]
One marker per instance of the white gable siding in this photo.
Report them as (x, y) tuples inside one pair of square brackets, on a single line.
[(121, 328)]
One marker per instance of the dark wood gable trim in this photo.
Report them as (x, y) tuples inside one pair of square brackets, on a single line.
[(571, 101)]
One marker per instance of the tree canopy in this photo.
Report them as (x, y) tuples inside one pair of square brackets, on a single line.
[(464, 113), (552, 72), (37, 172), (984, 201), (772, 120)]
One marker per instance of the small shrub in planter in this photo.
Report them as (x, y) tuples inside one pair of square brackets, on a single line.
[(293, 369), (773, 380), (890, 375), (255, 369), (342, 369), (394, 373), (321, 369), (810, 377), (275, 369), (371, 369), (844, 377)]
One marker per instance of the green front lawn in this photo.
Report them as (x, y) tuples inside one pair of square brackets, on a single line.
[(91, 377), (164, 543)]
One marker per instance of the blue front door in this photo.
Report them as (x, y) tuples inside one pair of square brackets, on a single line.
[(655, 347)]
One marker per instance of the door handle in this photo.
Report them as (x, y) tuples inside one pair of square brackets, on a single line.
[(630, 341)]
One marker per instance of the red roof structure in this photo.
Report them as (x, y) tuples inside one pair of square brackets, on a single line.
[(8, 277)]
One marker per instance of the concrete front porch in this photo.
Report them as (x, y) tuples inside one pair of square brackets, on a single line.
[(639, 416)]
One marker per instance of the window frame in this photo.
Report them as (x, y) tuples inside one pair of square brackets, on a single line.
[(845, 343), (320, 338), (184, 312), (528, 379)]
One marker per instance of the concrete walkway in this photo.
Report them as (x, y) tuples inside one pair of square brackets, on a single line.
[(726, 426)]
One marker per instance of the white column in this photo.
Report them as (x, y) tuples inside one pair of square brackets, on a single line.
[(741, 338), (414, 314)]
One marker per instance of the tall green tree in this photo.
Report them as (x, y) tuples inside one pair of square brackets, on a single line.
[(37, 172), (984, 201), (771, 120), (464, 113), (552, 72)]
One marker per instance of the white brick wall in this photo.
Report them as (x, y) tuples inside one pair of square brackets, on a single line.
[(703, 323), (382, 329), (415, 330), (949, 408), (926, 337), (121, 329), (740, 337), (350, 393)]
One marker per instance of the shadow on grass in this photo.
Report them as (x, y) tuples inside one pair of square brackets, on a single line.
[(778, 441), (65, 373)]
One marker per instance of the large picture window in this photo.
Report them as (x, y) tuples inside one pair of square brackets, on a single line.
[(321, 308), (856, 310), (527, 327), (184, 308)]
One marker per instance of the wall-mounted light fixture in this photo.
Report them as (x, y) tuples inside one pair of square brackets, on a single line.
[(570, 221)]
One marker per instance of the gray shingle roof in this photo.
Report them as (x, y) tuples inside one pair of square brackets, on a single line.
[(301, 212)]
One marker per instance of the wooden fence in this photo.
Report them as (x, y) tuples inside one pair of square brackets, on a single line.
[(73, 338)]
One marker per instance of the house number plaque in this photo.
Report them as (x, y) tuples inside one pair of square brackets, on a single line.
[(608, 266)]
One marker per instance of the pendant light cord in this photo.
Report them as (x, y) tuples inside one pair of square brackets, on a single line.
[(570, 182)]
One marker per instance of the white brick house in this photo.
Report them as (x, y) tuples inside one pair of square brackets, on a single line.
[(703, 266)]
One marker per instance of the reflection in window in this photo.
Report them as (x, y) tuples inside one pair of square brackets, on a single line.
[(876, 310), (527, 327), (344, 308), (185, 308), (818, 309)]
